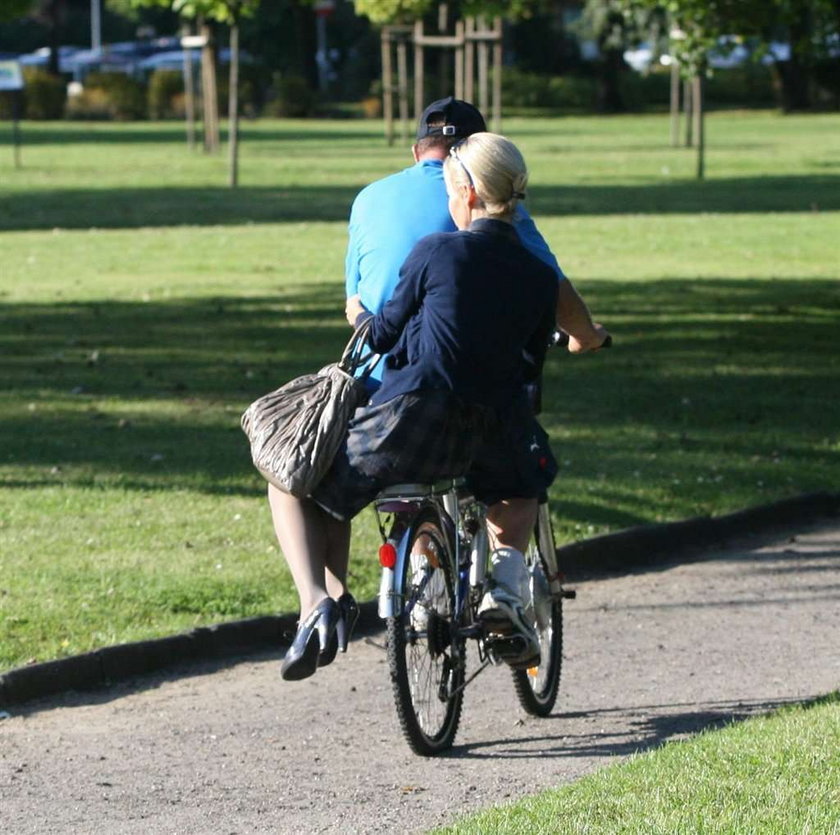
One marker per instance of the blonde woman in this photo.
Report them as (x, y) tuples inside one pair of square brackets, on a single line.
[(467, 327)]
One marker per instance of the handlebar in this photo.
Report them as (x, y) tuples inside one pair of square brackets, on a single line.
[(560, 339)]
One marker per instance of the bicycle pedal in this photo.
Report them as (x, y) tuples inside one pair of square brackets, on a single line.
[(511, 646)]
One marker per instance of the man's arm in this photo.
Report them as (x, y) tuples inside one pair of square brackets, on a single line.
[(351, 260), (533, 241), (574, 318)]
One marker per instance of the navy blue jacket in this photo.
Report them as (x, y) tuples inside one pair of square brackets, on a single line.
[(472, 313)]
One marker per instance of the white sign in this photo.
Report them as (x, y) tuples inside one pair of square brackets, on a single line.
[(11, 77), (193, 41)]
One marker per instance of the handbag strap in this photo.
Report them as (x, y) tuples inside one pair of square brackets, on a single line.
[(356, 354)]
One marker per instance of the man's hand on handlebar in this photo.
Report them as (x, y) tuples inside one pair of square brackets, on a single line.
[(594, 341)]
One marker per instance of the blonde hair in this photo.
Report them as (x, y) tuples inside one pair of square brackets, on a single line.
[(494, 167)]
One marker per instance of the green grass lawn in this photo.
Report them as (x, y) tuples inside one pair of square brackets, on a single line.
[(143, 305), (771, 775)]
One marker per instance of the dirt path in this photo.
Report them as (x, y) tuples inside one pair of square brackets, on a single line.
[(649, 657)]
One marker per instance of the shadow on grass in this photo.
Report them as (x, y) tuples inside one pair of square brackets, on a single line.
[(148, 395), (173, 133), (119, 208), (658, 724)]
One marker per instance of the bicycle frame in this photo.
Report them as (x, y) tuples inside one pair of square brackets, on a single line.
[(407, 498), (447, 496)]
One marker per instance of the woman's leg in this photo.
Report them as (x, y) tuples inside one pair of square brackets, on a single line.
[(337, 534), (311, 541)]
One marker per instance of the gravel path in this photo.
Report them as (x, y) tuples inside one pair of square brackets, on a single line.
[(650, 656)]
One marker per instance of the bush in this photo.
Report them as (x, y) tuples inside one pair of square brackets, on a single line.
[(560, 92), (748, 86), (7, 105), (642, 90), (44, 95), (826, 75), (109, 95), (291, 98), (92, 103), (165, 94)]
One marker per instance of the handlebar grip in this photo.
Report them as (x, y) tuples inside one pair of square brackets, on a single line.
[(560, 339)]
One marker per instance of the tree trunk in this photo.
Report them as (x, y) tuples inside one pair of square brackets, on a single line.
[(210, 96), (699, 126), (189, 90), (610, 99), (793, 83), (233, 105), (688, 106), (675, 104), (304, 18), (52, 16), (793, 74)]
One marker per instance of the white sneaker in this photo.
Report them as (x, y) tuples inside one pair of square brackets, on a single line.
[(504, 609)]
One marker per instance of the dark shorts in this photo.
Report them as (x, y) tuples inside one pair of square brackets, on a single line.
[(514, 459)]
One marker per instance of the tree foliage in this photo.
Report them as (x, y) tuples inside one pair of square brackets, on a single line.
[(14, 9), (392, 11), (806, 24), (222, 11), (407, 11)]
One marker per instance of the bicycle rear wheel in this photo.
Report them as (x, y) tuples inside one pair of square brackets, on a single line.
[(425, 655), (537, 687)]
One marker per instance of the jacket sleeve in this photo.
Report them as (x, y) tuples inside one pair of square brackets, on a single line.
[(388, 324), (537, 345), (534, 242)]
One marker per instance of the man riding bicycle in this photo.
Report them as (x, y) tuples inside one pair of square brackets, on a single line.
[(468, 306)]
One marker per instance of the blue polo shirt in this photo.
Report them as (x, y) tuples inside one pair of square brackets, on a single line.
[(390, 215)]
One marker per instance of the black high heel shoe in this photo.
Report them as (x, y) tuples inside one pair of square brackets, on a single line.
[(349, 615), (313, 636)]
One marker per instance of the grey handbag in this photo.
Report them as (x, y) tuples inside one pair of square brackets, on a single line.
[(296, 430)]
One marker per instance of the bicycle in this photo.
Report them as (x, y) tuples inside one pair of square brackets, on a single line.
[(434, 574)]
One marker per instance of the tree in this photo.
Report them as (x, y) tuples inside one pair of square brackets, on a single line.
[(229, 12), (392, 11), (617, 25), (806, 25), (51, 13), (14, 9), (407, 11)]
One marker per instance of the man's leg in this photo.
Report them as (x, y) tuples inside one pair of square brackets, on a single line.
[(504, 609), (510, 523)]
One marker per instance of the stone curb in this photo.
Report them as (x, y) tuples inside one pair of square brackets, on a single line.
[(626, 550), (648, 545)]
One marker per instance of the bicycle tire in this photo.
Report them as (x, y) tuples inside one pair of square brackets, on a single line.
[(425, 655), (537, 687)]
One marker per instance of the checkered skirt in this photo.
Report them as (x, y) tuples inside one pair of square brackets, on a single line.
[(415, 437)]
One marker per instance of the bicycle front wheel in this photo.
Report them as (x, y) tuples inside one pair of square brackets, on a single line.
[(425, 654), (537, 687)]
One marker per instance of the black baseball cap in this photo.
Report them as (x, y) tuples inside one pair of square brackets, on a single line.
[(460, 119)]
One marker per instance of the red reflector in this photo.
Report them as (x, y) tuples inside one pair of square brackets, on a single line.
[(387, 555)]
